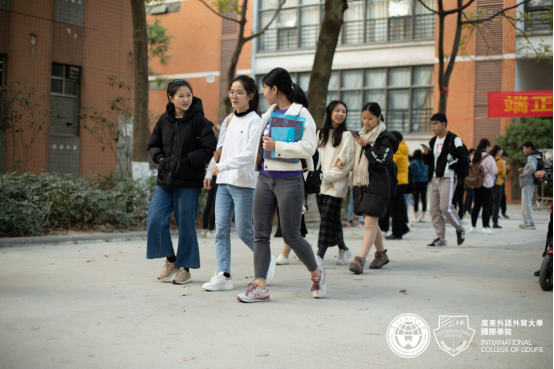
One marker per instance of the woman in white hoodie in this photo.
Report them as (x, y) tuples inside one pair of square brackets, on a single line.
[(336, 147), (236, 179)]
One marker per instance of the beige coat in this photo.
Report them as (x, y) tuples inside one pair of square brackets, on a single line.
[(335, 181)]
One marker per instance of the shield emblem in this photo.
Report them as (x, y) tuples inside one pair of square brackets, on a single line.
[(453, 334)]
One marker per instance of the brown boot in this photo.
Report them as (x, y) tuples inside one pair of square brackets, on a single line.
[(381, 259), (357, 266)]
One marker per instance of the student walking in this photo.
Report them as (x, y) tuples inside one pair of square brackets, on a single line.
[(373, 181), (482, 195), (496, 153), (527, 184), (421, 181), (336, 148), (444, 155), (236, 179), (182, 144), (508, 166), (282, 182)]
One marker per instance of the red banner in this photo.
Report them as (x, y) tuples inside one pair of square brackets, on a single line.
[(520, 104)]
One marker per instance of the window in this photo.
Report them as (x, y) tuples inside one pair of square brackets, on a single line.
[(64, 99), (539, 15), (301, 79), (70, 12), (365, 21)]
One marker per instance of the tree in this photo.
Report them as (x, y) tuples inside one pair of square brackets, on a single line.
[(141, 131), (473, 21), (227, 6), (333, 18), (158, 46)]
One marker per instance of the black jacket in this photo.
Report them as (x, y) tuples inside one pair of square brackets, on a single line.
[(373, 199), (186, 145), (459, 156)]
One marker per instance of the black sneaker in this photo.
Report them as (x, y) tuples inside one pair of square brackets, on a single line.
[(496, 226), (505, 216), (437, 243), (393, 237), (461, 233)]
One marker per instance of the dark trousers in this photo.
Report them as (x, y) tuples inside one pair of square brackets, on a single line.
[(420, 188), (458, 199), (495, 203), (208, 216), (469, 200), (481, 199), (503, 200), (398, 211)]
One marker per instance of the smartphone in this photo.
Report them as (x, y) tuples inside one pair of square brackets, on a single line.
[(424, 146), (355, 133)]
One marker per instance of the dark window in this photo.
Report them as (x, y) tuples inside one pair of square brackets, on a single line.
[(2, 68), (70, 12), (5, 5), (538, 15), (64, 99)]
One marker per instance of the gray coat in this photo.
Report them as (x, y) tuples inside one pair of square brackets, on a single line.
[(529, 169)]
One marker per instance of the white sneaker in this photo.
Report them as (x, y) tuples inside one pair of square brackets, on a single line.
[(282, 260), (319, 287), (210, 235), (271, 271), (218, 283), (203, 234), (413, 220), (487, 230), (343, 257), (254, 294), (473, 230), (319, 260)]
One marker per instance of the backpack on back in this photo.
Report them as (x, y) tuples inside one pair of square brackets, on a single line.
[(540, 166), (476, 176)]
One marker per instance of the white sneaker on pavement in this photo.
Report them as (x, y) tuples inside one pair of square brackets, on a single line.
[(282, 260), (319, 287), (344, 255), (271, 271), (319, 260), (218, 283), (487, 230), (473, 230), (254, 294), (210, 235)]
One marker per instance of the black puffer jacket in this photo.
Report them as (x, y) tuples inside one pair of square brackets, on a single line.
[(373, 199), (186, 145)]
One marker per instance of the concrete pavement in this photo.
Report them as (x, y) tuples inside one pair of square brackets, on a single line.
[(99, 305)]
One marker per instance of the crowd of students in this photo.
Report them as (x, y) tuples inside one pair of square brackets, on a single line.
[(371, 165)]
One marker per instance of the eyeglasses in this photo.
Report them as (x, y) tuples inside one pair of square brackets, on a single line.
[(432, 124), (178, 80), (237, 94)]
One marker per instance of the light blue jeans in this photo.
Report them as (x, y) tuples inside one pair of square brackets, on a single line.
[(351, 209), (238, 200), (527, 193)]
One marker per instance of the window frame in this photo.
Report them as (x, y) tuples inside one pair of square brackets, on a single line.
[(529, 10)]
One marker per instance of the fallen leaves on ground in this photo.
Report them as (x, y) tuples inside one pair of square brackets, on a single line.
[(114, 259), (262, 355), (403, 291), (120, 317), (509, 270), (358, 279), (51, 264), (186, 294), (185, 286), (107, 240), (76, 242), (363, 309), (120, 252), (250, 276), (189, 358), (107, 255), (105, 285), (90, 261)]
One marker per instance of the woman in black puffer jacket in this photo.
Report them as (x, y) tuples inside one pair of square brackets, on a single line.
[(182, 143), (373, 180)]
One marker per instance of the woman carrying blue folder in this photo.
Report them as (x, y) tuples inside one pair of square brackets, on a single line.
[(282, 182)]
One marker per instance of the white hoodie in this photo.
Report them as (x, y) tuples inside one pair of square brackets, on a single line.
[(236, 166)]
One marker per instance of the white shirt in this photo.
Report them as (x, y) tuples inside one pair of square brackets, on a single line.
[(448, 173), (236, 165)]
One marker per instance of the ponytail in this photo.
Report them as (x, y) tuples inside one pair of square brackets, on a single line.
[(280, 78), (483, 144)]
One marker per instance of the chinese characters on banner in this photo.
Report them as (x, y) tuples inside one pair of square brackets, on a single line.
[(520, 104)]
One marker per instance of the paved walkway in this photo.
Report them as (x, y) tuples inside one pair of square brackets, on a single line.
[(99, 305)]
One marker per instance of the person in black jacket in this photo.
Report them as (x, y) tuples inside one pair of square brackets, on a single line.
[(182, 143), (443, 156), (372, 181)]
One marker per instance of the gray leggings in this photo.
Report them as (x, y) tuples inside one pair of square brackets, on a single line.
[(289, 194)]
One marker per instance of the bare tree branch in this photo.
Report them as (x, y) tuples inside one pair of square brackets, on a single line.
[(216, 13), (459, 9), (501, 12), (267, 25), (426, 7)]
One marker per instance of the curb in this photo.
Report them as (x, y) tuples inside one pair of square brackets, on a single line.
[(42, 240)]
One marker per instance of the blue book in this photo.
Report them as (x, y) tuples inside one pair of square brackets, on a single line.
[(285, 128)]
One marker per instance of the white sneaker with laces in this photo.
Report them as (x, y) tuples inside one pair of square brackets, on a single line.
[(203, 234), (319, 260), (254, 294), (473, 230), (413, 220), (282, 260), (344, 255), (271, 271), (218, 283), (319, 287), (210, 235), (487, 230)]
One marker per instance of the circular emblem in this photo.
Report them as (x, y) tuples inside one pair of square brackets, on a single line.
[(408, 335)]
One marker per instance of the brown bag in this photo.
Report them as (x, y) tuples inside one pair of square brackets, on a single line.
[(476, 176), (217, 153)]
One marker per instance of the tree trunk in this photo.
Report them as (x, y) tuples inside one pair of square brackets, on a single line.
[(333, 18), (442, 92), (453, 54), (141, 132)]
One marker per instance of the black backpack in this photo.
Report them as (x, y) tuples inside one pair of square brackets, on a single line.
[(462, 169), (540, 166), (312, 180)]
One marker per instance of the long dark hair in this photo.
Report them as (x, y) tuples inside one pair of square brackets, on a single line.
[(250, 86), (280, 78), (495, 150), (327, 125), (483, 144), (172, 89), (375, 109)]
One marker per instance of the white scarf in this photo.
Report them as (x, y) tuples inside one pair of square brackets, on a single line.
[(360, 176)]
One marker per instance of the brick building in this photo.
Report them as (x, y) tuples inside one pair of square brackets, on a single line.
[(66, 50)]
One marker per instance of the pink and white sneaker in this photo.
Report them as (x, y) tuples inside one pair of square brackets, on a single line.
[(319, 287), (254, 294)]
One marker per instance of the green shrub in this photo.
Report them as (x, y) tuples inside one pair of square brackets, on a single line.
[(31, 204)]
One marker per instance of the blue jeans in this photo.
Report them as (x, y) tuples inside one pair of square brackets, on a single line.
[(184, 202), (351, 209), (231, 199)]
